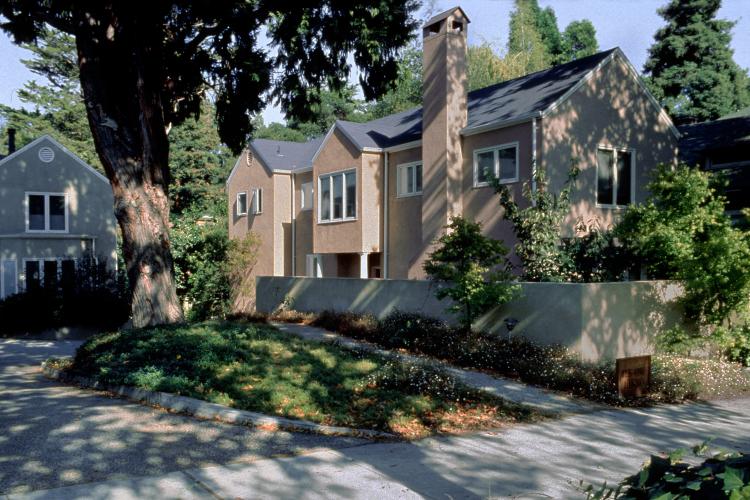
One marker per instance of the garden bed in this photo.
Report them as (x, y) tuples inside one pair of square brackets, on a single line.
[(252, 366), (674, 378)]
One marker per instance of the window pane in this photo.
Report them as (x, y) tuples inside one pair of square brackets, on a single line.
[(507, 163), (419, 177), (50, 274), (338, 196), (325, 198), (241, 203), (68, 274), (605, 181), (623, 177), (32, 275), (36, 212), (306, 196), (57, 213), (410, 179), (351, 194), (9, 277), (403, 180), (485, 165)]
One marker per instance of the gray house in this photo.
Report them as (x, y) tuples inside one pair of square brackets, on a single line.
[(54, 210)]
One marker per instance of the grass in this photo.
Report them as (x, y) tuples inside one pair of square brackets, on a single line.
[(252, 366), (674, 378)]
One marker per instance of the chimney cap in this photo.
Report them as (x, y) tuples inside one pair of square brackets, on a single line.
[(443, 15)]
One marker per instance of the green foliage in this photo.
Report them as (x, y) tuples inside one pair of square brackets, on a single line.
[(537, 227), (258, 368), (525, 39), (735, 342), (465, 265), (594, 257), (691, 67), (721, 475), (406, 91), (578, 40), (242, 255), (683, 233)]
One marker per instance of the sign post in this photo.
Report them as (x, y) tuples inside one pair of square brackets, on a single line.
[(633, 376)]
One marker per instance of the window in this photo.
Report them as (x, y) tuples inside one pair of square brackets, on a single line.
[(338, 196), (242, 203), (614, 177), (501, 161), (258, 201), (306, 196), (47, 212), (49, 273), (409, 181)]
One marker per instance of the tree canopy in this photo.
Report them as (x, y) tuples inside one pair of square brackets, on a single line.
[(690, 67)]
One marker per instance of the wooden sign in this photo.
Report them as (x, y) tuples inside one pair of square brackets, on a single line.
[(633, 376)]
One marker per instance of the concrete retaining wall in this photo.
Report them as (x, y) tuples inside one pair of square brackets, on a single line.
[(597, 320)]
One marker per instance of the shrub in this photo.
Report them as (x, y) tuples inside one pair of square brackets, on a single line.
[(735, 343), (411, 331), (465, 265), (720, 475)]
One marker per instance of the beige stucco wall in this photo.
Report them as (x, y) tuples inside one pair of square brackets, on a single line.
[(404, 222), (282, 224), (596, 320), (338, 154), (611, 109), (370, 193), (303, 224)]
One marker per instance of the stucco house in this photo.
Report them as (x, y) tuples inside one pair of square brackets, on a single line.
[(369, 199), (54, 210)]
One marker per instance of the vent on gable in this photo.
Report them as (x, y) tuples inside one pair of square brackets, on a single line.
[(46, 154), (249, 158)]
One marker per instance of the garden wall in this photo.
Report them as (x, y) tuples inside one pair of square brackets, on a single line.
[(597, 320)]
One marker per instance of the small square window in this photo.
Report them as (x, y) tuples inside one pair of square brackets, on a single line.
[(498, 161), (409, 180)]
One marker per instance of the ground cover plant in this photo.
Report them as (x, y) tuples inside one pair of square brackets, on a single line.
[(253, 366), (674, 378)]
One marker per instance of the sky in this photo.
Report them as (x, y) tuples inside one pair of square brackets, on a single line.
[(628, 24)]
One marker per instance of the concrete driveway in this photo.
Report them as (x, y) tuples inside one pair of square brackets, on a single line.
[(53, 435)]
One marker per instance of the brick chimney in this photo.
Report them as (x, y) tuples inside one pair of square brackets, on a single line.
[(11, 141), (444, 114)]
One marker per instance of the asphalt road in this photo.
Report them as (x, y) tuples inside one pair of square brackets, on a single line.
[(52, 435)]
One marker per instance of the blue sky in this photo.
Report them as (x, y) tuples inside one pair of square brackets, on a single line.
[(629, 24)]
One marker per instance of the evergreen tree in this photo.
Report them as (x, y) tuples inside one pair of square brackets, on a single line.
[(578, 40), (525, 39), (691, 67)]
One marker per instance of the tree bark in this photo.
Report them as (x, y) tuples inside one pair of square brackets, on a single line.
[(119, 52)]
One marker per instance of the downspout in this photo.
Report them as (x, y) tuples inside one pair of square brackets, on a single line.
[(533, 155), (294, 230), (385, 216)]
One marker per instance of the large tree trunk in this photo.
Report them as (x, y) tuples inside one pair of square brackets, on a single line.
[(121, 78)]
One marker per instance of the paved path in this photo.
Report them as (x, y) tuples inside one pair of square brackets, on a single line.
[(530, 461), (502, 387), (53, 435)]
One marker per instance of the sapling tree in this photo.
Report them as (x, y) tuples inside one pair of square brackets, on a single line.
[(469, 267)]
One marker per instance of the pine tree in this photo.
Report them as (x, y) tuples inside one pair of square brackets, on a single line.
[(525, 38), (691, 67), (578, 40)]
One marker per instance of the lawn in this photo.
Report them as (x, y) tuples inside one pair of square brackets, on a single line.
[(256, 367)]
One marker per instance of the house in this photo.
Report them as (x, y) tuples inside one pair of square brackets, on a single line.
[(369, 199), (54, 210), (722, 145)]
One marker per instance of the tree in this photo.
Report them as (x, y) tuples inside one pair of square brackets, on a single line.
[(578, 40), (525, 39), (537, 227), (690, 67), (144, 70), (406, 92), (682, 232), (466, 264)]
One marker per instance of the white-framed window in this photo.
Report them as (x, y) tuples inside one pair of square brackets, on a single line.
[(242, 203), (409, 180), (615, 176), (306, 196), (8, 278), (337, 196), (46, 212), (258, 201), (48, 272), (502, 161)]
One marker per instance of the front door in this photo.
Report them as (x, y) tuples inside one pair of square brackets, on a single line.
[(8, 278)]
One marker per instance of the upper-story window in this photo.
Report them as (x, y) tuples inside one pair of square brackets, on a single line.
[(242, 203), (258, 201), (337, 198), (47, 212), (614, 176), (500, 161), (409, 182), (306, 196)]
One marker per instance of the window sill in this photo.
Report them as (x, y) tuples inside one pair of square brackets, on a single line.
[(408, 195), (487, 184), (612, 207), (46, 231), (336, 221)]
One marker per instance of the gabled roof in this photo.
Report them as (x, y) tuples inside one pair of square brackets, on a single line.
[(444, 14), (65, 150), (496, 106), (723, 133)]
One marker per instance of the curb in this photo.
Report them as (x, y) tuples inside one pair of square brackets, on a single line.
[(212, 411)]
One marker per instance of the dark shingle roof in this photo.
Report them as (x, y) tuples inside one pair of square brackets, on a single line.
[(723, 133), (286, 155), (504, 102)]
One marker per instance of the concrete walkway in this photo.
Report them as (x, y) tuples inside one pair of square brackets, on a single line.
[(53, 435), (502, 387), (532, 461)]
